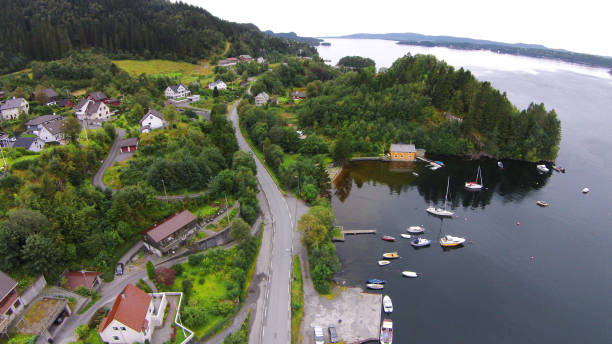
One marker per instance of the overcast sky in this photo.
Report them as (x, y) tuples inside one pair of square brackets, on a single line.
[(582, 26)]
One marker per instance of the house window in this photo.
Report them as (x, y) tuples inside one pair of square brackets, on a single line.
[(115, 338), (122, 328), (115, 328), (10, 311), (17, 303)]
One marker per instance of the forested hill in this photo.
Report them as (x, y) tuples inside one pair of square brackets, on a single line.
[(49, 29)]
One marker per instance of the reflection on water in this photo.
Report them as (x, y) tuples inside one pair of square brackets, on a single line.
[(513, 182)]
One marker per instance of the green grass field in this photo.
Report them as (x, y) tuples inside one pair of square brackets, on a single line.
[(187, 72)]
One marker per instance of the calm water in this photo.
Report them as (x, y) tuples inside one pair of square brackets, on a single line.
[(547, 280)]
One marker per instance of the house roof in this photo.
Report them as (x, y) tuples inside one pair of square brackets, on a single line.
[(6, 284), (42, 119), (175, 88), (50, 93), (130, 309), (262, 94), (93, 107), (298, 94), (216, 83), (75, 279), (12, 103), (24, 142), (63, 102), (154, 113), (133, 141), (98, 95), (54, 127), (82, 103), (403, 148), (170, 225)]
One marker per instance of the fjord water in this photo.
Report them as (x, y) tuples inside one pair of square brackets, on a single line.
[(547, 280)]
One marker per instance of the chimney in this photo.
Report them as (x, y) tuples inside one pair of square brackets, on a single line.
[(123, 295)]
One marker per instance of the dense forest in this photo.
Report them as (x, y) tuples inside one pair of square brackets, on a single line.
[(49, 29), (427, 102)]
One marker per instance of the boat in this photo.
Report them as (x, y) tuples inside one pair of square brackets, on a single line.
[(387, 304), (406, 236), (388, 238), (585, 190), (390, 255), (415, 229), (500, 165), (542, 168), (375, 286), (376, 281), (441, 211), (415, 174), (420, 242), (475, 185), (558, 169), (440, 163), (386, 332), (410, 274), (434, 167), (383, 262), (450, 241), (542, 204)]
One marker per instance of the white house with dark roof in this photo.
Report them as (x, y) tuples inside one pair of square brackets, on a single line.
[(261, 99), (219, 85), (51, 132), (152, 120), (38, 122), (167, 235), (91, 110), (11, 108), (176, 91), (33, 144)]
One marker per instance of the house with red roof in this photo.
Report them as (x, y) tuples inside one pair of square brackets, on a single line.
[(169, 234), (88, 279), (134, 316)]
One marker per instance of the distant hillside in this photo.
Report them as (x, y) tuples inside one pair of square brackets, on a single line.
[(49, 29), (464, 43), (292, 35)]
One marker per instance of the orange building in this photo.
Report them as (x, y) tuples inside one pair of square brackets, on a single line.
[(403, 152)]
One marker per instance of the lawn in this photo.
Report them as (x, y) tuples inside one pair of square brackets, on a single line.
[(111, 176), (187, 72), (297, 299)]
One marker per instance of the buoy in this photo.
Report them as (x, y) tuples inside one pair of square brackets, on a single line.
[(518, 223), (465, 219), (532, 257)]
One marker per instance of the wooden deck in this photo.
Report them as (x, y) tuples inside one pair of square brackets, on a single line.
[(359, 231)]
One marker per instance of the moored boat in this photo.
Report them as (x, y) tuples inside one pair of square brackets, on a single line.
[(450, 241), (542, 204), (420, 242), (477, 184), (406, 236), (415, 229), (375, 286), (558, 169), (390, 255), (585, 190), (388, 238), (410, 274), (500, 165), (383, 262), (386, 332), (376, 281), (387, 304), (441, 211), (542, 168)]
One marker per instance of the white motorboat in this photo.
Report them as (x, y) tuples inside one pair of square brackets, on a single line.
[(410, 274), (542, 168), (387, 304), (406, 236), (420, 242), (585, 190), (383, 262), (476, 184), (415, 229), (450, 241), (441, 211), (386, 332), (375, 286)]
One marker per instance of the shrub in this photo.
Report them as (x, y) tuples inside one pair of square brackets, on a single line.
[(195, 259), (178, 268), (81, 290), (194, 316), (151, 271), (165, 276)]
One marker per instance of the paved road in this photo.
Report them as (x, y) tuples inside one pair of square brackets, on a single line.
[(98, 179), (276, 321)]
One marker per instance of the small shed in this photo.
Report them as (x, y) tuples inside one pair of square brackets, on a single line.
[(129, 145)]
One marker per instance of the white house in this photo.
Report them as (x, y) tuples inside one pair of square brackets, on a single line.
[(51, 132), (219, 84), (176, 91), (92, 110), (38, 122), (33, 144), (261, 99), (10, 109), (134, 316), (152, 120), (261, 60)]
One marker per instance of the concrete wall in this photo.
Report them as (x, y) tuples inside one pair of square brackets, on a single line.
[(33, 291)]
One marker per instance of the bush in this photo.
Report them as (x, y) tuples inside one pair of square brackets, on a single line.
[(195, 259), (24, 164), (165, 276), (178, 268), (81, 290), (194, 316), (151, 271), (222, 308)]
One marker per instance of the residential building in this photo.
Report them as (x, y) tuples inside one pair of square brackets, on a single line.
[(176, 91), (403, 152), (10, 302), (97, 96), (38, 122), (152, 120), (51, 132), (298, 95), (245, 58), (261, 99), (90, 280), (11, 108), (33, 144), (64, 103), (128, 145), (169, 234), (219, 84), (91, 110), (261, 60), (228, 62), (133, 317)]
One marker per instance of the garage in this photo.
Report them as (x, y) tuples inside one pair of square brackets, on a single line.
[(129, 145)]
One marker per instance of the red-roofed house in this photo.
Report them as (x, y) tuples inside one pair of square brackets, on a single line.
[(169, 234), (87, 279), (134, 316)]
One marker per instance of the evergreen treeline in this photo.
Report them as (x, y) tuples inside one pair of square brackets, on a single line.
[(427, 102), (49, 29)]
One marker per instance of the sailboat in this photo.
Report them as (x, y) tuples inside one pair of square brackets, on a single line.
[(475, 185), (441, 211)]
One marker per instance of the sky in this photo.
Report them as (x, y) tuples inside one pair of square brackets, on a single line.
[(580, 26)]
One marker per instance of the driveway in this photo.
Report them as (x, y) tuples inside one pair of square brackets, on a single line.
[(98, 179)]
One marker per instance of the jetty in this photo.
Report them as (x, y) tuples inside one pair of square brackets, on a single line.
[(340, 232)]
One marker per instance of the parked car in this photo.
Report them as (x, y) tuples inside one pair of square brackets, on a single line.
[(119, 269), (318, 332), (333, 336)]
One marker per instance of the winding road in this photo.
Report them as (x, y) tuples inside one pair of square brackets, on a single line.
[(98, 178)]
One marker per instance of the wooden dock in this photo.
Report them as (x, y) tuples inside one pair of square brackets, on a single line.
[(359, 231)]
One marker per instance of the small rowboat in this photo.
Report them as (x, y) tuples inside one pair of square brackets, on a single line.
[(387, 304), (383, 262), (375, 286), (388, 238), (542, 168), (420, 242), (406, 236), (376, 281), (542, 204), (410, 274), (415, 229), (390, 255), (585, 190)]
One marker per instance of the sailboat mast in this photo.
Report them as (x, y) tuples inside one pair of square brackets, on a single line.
[(446, 196)]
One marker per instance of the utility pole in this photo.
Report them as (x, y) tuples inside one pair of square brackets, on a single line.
[(226, 210), (164, 184)]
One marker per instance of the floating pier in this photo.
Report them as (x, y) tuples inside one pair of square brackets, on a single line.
[(359, 231)]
